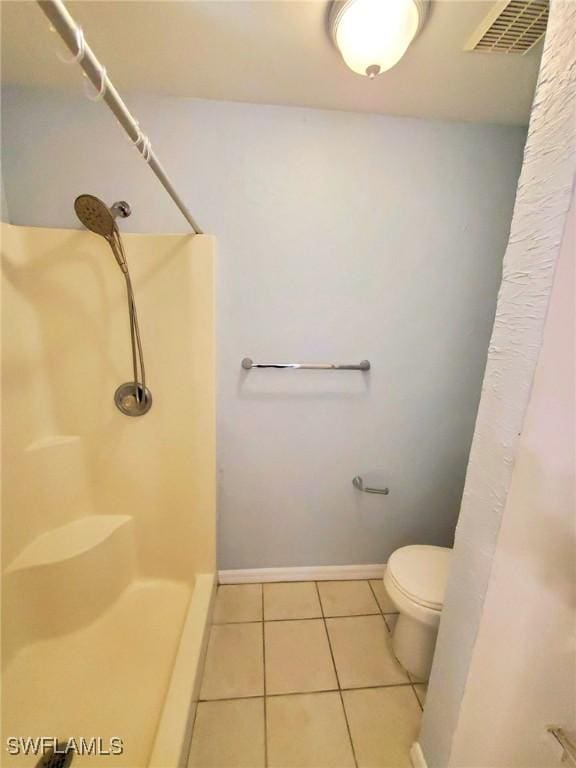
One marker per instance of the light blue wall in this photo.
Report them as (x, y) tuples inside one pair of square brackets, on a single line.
[(340, 236)]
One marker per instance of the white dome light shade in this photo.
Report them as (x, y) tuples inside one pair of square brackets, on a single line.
[(373, 35)]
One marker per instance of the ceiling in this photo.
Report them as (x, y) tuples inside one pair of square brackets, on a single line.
[(273, 53)]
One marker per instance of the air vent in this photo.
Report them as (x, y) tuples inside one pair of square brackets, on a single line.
[(513, 26)]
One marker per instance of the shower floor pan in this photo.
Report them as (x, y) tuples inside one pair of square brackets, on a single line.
[(132, 675)]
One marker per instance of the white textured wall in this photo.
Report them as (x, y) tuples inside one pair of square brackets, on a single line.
[(531, 598), (340, 237), (537, 228)]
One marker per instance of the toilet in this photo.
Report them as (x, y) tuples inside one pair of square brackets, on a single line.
[(415, 580)]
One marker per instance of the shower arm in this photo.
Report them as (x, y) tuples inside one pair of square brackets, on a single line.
[(72, 35)]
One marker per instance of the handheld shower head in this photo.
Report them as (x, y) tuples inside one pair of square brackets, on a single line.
[(132, 398), (95, 215), (98, 218)]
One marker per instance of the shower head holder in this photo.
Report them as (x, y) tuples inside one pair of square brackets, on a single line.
[(132, 399), (121, 209)]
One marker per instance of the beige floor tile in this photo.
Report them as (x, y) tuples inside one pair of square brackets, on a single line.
[(421, 691), (298, 657), (228, 734), (347, 598), (308, 731), (238, 602), (234, 662), (384, 601), (363, 653), (384, 723), (298, 600), (391, 619)]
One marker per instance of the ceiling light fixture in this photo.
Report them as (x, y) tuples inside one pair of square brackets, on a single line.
[(373, 35)]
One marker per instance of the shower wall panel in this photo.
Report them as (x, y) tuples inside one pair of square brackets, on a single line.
[(131, 498)]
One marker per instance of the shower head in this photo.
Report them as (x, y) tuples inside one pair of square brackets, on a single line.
[(95, 215), (98, 218)]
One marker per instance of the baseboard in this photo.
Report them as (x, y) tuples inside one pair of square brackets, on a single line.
[(417, 756), (304, 573)]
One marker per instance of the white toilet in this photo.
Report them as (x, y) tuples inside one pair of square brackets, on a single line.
[(415, 580)]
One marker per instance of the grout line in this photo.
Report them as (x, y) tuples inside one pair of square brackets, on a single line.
[(302, 693), (390, 633), (390, 637), (417, 699), (328, 638), (304, 618), (248, 697), (352, 615), (189, 752), (264, 664), (199, 689), (306, 693), (337, 679), (386, 616), (332, 690), (414, 683), (379, 606), (235, 623), (382, 613), (295, 618), (371, 687), (375, 597)]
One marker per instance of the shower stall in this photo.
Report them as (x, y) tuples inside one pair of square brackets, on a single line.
[(108, 538)]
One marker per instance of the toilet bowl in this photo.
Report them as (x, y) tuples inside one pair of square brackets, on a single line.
[(415, 580)]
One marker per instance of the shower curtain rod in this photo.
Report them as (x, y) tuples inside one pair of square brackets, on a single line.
[(71, 34)]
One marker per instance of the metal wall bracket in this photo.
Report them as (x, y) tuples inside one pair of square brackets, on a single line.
[(358, 483), (132, 400)]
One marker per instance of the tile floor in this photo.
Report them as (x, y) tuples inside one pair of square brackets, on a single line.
[(302, 675)]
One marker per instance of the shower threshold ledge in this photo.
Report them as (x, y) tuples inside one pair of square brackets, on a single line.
[(68, 541)]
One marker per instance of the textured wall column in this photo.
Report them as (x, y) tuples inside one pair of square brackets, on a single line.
[(542, 202)]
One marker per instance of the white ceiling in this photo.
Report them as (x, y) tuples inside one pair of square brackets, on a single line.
[(273, 53)]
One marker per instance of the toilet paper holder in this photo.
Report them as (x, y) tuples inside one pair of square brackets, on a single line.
[(358, 483)]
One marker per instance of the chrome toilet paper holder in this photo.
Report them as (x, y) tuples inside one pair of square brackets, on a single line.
[(358, 483)]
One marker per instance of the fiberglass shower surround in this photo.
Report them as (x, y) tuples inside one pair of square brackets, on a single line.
[(108, 537)]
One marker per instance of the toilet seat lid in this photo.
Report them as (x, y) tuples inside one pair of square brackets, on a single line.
[(421, 572)]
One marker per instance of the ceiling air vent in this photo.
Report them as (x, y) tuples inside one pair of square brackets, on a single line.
[(512, 26)]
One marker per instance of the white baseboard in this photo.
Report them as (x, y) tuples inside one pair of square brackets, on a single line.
[(304, 573), (417, 756)]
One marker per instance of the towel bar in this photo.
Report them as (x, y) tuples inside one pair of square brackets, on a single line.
[(364, 365)]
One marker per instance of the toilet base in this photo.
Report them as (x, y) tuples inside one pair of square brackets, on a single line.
[(413, 643)]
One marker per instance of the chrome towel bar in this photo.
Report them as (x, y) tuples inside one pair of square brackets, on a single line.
[(363, 365)]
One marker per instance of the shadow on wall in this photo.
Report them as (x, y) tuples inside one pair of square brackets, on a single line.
[(275, 384)]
